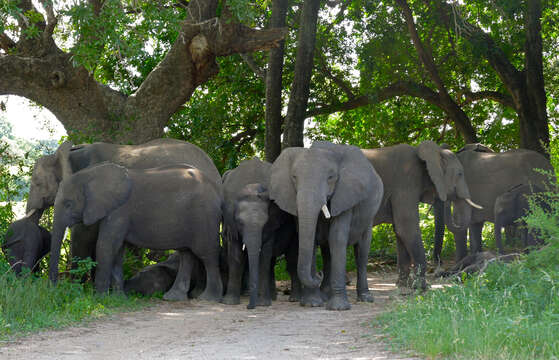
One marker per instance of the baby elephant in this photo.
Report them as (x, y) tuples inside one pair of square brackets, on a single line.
[(25, 243), (511, 206), (169, 207)]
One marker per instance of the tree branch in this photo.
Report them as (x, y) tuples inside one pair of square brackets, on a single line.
[(249, 60), (503, 99), (6, 43), (399, 88), (52, 20), (342, 84)]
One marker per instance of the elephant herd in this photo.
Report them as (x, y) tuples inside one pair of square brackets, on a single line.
[(168, 195)]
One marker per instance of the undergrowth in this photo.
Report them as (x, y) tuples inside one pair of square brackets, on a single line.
[(511, 311)]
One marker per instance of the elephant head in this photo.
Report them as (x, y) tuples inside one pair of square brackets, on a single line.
[(447, 174), (46, 177), (86, 197), (325, 177), (25, 244)]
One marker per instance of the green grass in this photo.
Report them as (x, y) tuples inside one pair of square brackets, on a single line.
[(510, 312), (30, 303)]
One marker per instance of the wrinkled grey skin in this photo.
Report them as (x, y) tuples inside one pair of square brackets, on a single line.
[(511, 206), (47, 174), (488, 175), (25, 243), (412, 175), (250, 218), (169, 207), (303, 180)]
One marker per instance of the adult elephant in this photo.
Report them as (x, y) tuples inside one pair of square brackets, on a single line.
[(47, 174), (412, 175), (339, 181), (252, 220), (169, 207), (488, 175)]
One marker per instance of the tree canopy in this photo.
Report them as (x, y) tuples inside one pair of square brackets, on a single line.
[(383, 72)]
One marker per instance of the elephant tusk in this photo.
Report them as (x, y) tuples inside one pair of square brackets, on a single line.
[(325, 211), (473, 204), (31, 212)]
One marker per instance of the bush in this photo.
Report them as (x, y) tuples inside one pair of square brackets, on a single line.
[(509, 312)]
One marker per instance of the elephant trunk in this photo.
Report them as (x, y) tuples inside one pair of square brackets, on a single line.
[(253, 242), (58, 231), (459, 219), (307, 213)]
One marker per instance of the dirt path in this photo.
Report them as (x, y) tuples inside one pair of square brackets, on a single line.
[(203, 330)]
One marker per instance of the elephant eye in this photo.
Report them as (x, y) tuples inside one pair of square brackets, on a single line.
[(67, 204)]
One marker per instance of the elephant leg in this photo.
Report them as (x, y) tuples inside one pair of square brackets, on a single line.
[(272, 277), (181, 285), (460, 239), (338, 240), (210, 259), (361, 250), (236, 260), (325, 288), (404, 264), (110, 240), (264, 286), (117, 281), (475, 237), (82, 244), (291, 260), (406, 226), (497, 232)]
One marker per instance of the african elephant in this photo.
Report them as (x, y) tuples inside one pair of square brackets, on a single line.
[(412, 175), (339, 181), (251, 219), (26, 243), (511, 206), (488, 175), (168, 207), (47, 174)]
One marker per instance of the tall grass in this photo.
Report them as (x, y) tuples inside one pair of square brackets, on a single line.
[(511, 311), (29, 303)]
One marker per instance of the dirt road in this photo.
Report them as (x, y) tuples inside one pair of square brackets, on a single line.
[(203, 330)]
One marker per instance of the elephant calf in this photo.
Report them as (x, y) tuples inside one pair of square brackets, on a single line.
[(511, 206), (25, 244), (168, 207)]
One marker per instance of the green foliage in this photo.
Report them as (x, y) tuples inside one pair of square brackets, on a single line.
[(29, 303), (508, 312)]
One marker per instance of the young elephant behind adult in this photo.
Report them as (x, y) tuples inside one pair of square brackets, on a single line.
[(511, 206), (338, 181), (251, 219), (25, 243), (412, 175), (169, 207)]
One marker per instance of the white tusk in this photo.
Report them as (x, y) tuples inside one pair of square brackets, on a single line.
[(244, 247), (31, 212), (325, 211), (473, 204)]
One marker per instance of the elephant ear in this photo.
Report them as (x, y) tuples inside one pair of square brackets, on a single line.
[(282, 190), (430, 152), (355, 177), (107, 187)]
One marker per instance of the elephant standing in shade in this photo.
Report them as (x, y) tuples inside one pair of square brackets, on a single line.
[(489, 175), (511, 206), (412, 175), (169, 207), (47, 174), (251, 219), (25, 243), (338, 181)]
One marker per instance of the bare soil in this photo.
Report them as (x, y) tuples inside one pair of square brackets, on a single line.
[(203, 330)]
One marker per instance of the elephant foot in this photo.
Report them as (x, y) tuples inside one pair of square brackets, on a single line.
[(231, 300), (403, 281), (175, 295), (420, 284), (366, 296), (206, 295), (338, 302), (312, 299), (405, 290), (294, 297)]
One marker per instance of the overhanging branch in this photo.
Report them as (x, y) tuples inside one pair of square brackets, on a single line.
[(503, 99)]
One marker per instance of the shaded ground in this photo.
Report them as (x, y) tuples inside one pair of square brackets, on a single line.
[(203, 330)]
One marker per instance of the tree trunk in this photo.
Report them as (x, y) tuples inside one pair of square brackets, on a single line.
[(274, 85), (40, 71), (298, 99)]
